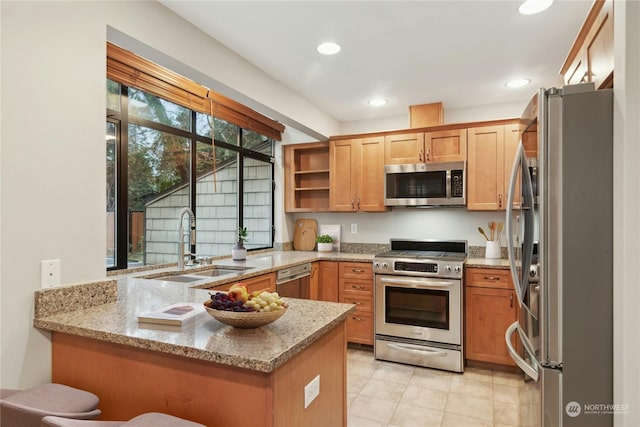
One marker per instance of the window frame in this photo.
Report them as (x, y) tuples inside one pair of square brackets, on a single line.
[(122, 119)]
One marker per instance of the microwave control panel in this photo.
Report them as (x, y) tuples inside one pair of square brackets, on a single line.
[(457, 183)]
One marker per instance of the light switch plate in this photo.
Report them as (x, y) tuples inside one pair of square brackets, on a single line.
[(50, 273), (311, 391)]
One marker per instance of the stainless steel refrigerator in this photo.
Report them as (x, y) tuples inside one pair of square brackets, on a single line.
[(561, 195)]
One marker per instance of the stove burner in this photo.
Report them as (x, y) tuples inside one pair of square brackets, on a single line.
[(422, 258)]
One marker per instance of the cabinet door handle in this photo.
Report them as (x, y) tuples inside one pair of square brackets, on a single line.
[(353, 205), (511, 300), (359, 319), (357, 287), (357, 302), (428, 154), (420, 155), (357, 270), (358, 203), (499, 200), (491, 277)]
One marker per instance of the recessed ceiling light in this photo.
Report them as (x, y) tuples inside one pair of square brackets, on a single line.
[(329, 48), (530, 7), (376, 102), (517, 83)]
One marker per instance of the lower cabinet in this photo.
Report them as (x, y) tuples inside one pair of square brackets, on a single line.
[(328, 281), (491, 306), (263, 282), (356, 287)]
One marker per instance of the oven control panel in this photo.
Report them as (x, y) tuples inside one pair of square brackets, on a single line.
[(410, 267)]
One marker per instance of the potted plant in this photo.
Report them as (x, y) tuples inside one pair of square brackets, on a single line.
[(325, 243), (239, 252)]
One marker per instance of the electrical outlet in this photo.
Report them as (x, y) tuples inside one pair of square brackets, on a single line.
[(354, 228), (311, 391), (50, 273)]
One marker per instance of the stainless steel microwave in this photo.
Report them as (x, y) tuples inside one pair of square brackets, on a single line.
[(425, 184)]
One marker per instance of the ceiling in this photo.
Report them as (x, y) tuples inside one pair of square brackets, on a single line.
[(459, 53)]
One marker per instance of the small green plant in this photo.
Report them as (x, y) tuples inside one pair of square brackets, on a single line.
[(242, 234), (324, 238)]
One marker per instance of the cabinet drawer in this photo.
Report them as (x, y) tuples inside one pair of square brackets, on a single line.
[(263, 282), (360, 328), (363, 304), (489, 278), (364, 288), (356, 270)]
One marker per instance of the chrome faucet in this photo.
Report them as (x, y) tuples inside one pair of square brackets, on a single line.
[(192, 239)]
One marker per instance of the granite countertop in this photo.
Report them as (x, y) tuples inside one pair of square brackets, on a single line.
[(108, 310), (257, 265), (497, 263)]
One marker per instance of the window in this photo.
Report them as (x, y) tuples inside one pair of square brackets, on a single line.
[(160, 159)]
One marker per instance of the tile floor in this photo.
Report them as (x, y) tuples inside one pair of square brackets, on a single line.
[(389, 394)]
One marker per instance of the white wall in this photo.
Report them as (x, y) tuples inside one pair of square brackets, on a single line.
[(626, 249), (52, 152), (411, 223), (454, 115)]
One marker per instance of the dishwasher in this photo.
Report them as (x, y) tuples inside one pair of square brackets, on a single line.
[(293, 282)]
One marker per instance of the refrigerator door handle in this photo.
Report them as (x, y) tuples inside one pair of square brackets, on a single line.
[(509, 223), (522, 364), (520, 276)]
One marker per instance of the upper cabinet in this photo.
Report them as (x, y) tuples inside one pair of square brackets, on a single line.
[(445, 146), (403, 148), (591, 56), (491, 151), (426, 147), (357, 175), (306, 177), (346, 174)]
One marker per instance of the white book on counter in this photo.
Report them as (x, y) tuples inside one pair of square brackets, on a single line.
[(174, 314)]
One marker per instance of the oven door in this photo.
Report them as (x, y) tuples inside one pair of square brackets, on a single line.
[(419, 308)]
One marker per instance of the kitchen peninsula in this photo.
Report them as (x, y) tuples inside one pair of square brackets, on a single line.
[(204, 371)]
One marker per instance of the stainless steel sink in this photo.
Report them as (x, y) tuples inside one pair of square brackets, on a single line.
[(188, 276), (179, 278), (220, 271)]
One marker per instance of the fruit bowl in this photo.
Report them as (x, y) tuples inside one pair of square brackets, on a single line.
[(245, 320)]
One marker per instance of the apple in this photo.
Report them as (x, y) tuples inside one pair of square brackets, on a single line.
[(238, 292)]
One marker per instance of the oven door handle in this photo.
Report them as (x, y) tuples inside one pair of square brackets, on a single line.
[(419, 282), (408, 348)]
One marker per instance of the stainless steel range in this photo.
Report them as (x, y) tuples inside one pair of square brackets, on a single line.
[(418, 303)]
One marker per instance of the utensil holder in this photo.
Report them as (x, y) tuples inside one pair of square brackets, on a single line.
[(493, 249)]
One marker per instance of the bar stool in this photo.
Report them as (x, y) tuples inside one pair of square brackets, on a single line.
[(26, 408), (151, 419)]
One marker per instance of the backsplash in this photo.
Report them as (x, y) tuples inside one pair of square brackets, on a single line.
[(61, 299), (479, 252)]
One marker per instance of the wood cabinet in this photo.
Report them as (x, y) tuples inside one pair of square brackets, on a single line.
[(445, 146), (313, 281), (491, 152), (356, 287), (262, 282), (403, 148), (591, 56), (328, 281), (490, 308), (427, 147), (357, 175), (306, 177)]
